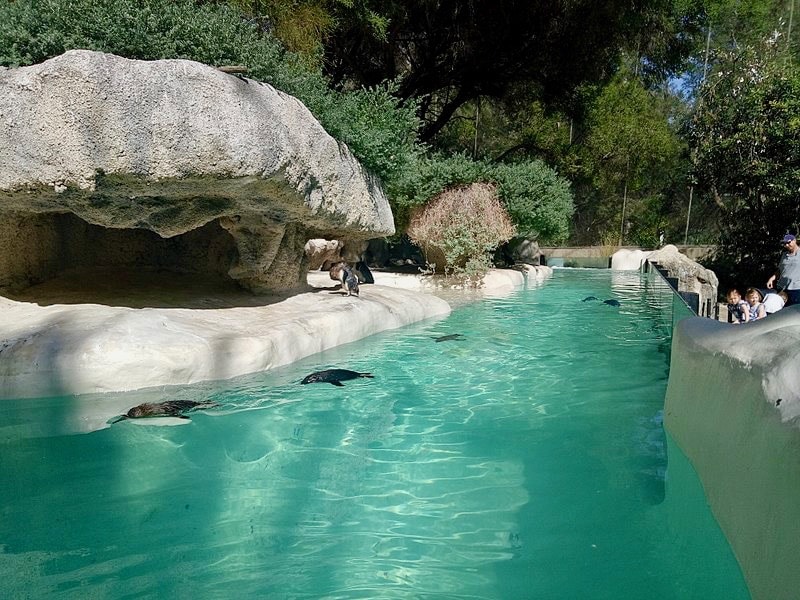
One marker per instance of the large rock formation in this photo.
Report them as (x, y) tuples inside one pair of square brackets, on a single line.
[(170, 164)]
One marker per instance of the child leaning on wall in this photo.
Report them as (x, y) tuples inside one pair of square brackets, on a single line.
[(757, 310), (738, 309)]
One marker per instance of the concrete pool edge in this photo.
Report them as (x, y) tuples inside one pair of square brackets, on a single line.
[(722, 408)]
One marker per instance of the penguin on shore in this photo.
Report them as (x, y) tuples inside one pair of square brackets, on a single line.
[(342, 273)]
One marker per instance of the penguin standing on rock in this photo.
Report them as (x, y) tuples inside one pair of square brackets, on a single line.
[(342, 273)]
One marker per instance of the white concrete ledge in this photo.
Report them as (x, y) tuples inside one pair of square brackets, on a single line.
[(80, 348), (84, 350), (72, 349), (495, 282)]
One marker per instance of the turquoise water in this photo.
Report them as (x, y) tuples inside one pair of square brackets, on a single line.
[(527, 460)]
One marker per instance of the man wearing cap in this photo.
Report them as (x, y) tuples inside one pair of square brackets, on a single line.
[(788, 276)]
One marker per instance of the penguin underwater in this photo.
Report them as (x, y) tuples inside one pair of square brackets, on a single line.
[(334, 376), (447, 338), (170, 408)]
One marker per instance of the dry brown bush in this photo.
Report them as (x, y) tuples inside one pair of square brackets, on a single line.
[(460, 228)]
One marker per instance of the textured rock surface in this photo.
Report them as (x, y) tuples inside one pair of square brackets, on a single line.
[(626, 259), (692, 276), (170, 146), (321, 251)]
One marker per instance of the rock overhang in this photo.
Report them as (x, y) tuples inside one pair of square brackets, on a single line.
[(170, 146)]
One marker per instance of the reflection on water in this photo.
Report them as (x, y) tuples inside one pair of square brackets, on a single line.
[(525, 460)]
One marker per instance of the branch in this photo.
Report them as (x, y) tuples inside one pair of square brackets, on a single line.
[(500, 157), (430, 130), (717, 198), (233, 69)]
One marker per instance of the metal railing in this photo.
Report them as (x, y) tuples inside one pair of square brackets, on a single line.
[(707, 309)]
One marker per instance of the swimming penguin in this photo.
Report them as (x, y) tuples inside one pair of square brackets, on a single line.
[(611, 302), (590, 298), (170, 408), (346, 276), (452, 336), (334, 376)]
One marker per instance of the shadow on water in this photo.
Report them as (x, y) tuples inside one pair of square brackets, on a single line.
[(78, 507)]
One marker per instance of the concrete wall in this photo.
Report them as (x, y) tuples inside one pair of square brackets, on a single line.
[(733, 405), (694, 252)]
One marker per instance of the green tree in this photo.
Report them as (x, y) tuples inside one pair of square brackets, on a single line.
[(731, 24), (745, 132), (447, 54), (629, 154)]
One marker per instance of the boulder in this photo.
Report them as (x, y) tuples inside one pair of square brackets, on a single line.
[(525, 251), (323, 252), (691, 276), (626, 259), (98, 151)]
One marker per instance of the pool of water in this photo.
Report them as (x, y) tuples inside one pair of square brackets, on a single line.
[(525, 460)]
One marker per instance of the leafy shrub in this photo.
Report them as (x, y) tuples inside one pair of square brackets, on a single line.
[(538, 200), (377, 127), (460, 228)]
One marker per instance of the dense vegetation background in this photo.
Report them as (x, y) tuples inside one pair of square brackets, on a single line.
[(596, 122)]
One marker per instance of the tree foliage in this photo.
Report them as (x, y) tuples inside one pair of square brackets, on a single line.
[(743, 22), (629, 155), (624, 144), (304, 26), (731, 24), (501, 89), (449, 53)]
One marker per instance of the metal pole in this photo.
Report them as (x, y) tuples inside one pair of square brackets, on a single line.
[(691, 187), (475, 143), (622, 223), (688, 214)]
